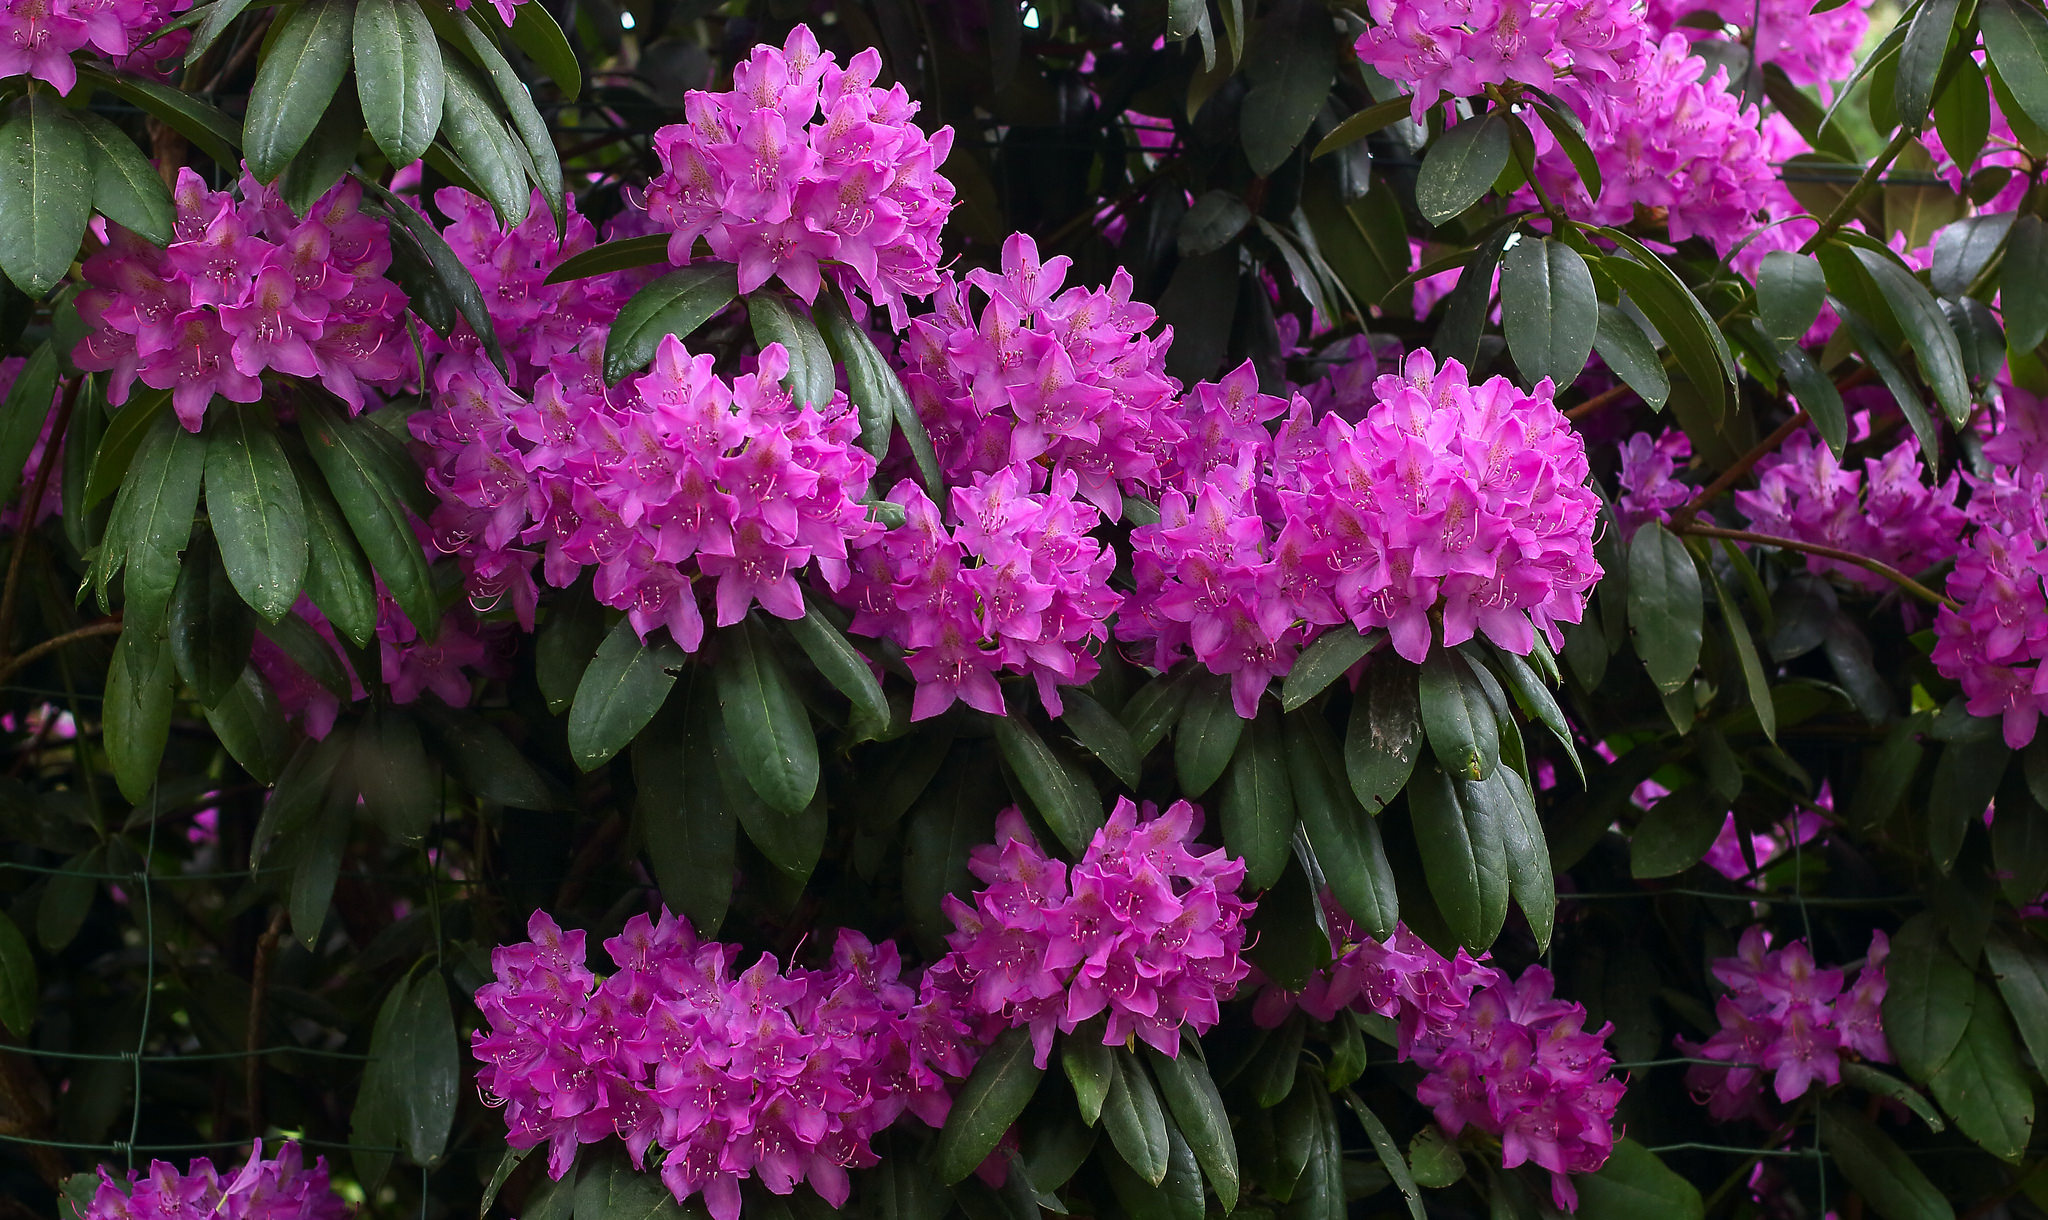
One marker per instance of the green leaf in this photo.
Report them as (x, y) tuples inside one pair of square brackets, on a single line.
[(1548, 309), (1199, 1113), (1389, 1153), (415, 240), (1288, 66), (1151, 712), (674, 304), (1374, 118), (252, 497), (1134, 1119), (214, 19), (540, 159), (338, 576), (154, 515), (1212, 223), (1258, 802), (211, 131), (1102, 735), (374, 509), (43, 162), (810, 378), (988, 1101), (1920, 60), (295, 82), (1536, 701), (485, 144), (1327, 658), (20, 992), (1816, 394), (424, 1044), (122, 440), (1790, 289), (1634, 1184), (605, 257), (326, 158), (563, 646), (211, 629), (1385, 733), (620, 691), (1462, 730), (792, 842), (401, 791), (1928, 1001), (1962, 117), (1464, 856), (507, 1163), (1890, 1087), (1058, 786), (535, 33), (67, 900), (1090, 1067), (2016, 35), (1983, 1087), (1665, 610), (843, 665), (1461, 166), (24, 413), (380, 1108), (483, 759), (319, 865), (1206, 737), (1345, 838), (613, 1189), (1531, 878), (688, 827), (2023, 284), (1878, 355), (1628, 351), (1433, 1159), (125, 187), (1677, 314), (770, 732), (1927, 330), (1966, 778), (399, 77), (1874, 1165), (1675, 833), (2020, 966)]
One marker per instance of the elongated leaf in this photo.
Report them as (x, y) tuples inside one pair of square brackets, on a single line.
[(1816, 394), (482, 758), (1258, 802), (213, 20), (1206, 738), (1462, 731), (2023, 285), (1464, 856), (1983, 1087), (1057, 785), (67, 900), (606, 257), (843, 665), (1675, 833), (770, 732), (1389, 1153), (211, 131), (1385, 733), (675, 304), (1966, 778), (125, 187), (1461, 166), (1665, 610), (689, 828), (537, 36), (380, 1109), (1329, 657), (1920, 60), (1345, 838), (1929, 999), (1289, 65), (295, 82), (43, 165), (1879, 356), (621, 690), (989, 1100), (1927, 330), (154, 515), (338, 576), (2016, 35), (252, 496), (1890, 1087), (1874, 1165), (1198, 1112), (2020, 967), (1102, 735), (20, 991), (488, 151), (1634, 1184), (1134, 1119), (374, 509), (1628, 351), (417, 240), (211, 628), (1790, 289), (122, 441), (432, 1065), (776, 320), (1090, 1068), (1548, 309), (1377, 117), (24, 412), (399, 77)]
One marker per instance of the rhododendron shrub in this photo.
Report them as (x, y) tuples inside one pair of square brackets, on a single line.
[(1287, 608)]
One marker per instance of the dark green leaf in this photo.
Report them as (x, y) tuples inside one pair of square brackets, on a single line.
[(1212, 223), (138, 713), (535, 33), (1962, 117), (605, 257), (1464, 856), (483, 759), (414, 237), (43, 168), (1134, 1119), (770, 732), (488, 151), (1327, 658), (792, 842), (1927, 330), (125, 187), (1983, 1087), (507, 1163), (534, 137), (1102, 735), (1790, 289), (563, 647), (1207, 735), (338, 577), (1258, 802), (1058, 786), (1433, 1159), (1548, 309), (318, 858), (1675, 833), (1199, 1114), (2023, 283), (294, 83), (1874, 1165), (380, 1109), (988, 1101), (1389, 1153), (250, 724), (214, 19), (1816, 394), (1461, 166), (400, 789), (23, 414), (1920, 60), (67, 900), (375, 510), (843, 666), (1962, 250), (1929, 999), (252, 497), (1345, 838), (1628, 351), (2020, 966), (1890, 1087), (1377, 117), (1965, 779), (399, 77), (620, 691), (1530, 876), (1289, 66), (675, 304), (1090, 1067), (1462, 730), (1385, 733), (213, 132), (1151, 712), (1634, 1184), (1665, 610), (20, 992), (326, 157), (427, 1054), (1880, 357), (775, 320), (687, 825), (2016, 35)]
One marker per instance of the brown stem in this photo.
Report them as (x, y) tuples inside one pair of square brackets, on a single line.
[(14, 665), (1825, 552), (1598, 402), (259, 985), (1728, 477), (10, 595)]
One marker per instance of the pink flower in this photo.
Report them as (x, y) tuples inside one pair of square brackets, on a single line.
[(281, 1188), (39, 37)]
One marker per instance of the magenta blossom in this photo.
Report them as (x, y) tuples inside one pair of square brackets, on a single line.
[(281, 1188)]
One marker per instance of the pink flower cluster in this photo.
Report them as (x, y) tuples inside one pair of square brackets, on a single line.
[(1886, 512), (448, 665), (1787, 1019), (246, 287), (1460, 47), (1063, 379), (676, 477), (1015, 584), (1813, 48), (803, 163), (1144, 929), (1994, 642), (780, 1076), (38, 37), (281, 1188), (1502, 1057), (1650, 487)]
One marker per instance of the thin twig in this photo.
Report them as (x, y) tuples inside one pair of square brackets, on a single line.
[(1598, 402), (14, 665), (259, 985), (1727, 478), (1825, 552)]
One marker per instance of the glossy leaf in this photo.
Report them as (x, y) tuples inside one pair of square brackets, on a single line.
[(43, 165), (776, 320), (1199, 1114), (1385, 733), (295, 82), (1665, 610), (1983, 1087), (1633, 1184), (1928, 1002), (1463, 733), (621, 690), (2023, 285), (1345, 838), (1886, 1176), (1624, 348), (1206, 738), (375, 509), (674, 304), (1461, 166), (400, 78), (1548, 309), (1464, 855), (1790, 290), (1059, 788), (841, 664), (1134, 1118), (252, 496), (1258, 802), (987, 1102), (1328, 657), (125, 187)]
